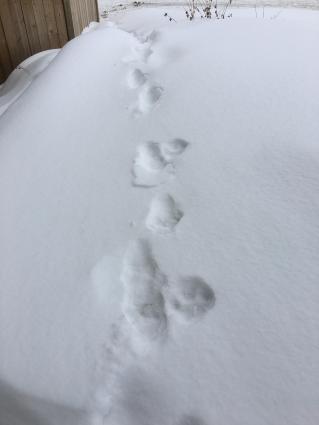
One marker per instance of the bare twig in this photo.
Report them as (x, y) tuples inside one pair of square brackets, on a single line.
[(170, 18)]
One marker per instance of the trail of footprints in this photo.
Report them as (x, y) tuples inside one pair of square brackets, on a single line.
[(148, 92), (151, 298)]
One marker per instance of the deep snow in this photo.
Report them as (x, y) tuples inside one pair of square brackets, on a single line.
[(159, 227), (20, 79)]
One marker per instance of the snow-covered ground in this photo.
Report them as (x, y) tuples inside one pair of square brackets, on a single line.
[(20, 79), (159, 244)]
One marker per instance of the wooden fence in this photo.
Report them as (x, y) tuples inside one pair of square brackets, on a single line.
[(30, 26)]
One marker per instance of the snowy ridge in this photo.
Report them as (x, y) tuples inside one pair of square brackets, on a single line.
[(20, 79)]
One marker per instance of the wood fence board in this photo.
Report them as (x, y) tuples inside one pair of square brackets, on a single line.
[(92, 10), (8, 31), (21, 32), (68, 18), (94, 13), (87, 13), (3, 74), (5, 59), (84, 12), (18, 50), (76, 17), (39, 15), (51, 24), (31, 26), (81, 13), (60, 22)]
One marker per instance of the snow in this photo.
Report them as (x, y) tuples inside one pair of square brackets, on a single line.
[(154, 162), (22, 77), (163, 215), (136, 78), (159, 226)]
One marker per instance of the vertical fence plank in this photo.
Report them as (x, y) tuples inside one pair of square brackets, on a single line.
[(76, 17), (87, 13), (51, 24), (2, 73), (15, 33), (97, 10), (22, 36), (93, 9), (31, 26), (83, 12), (39, 15), (68, 18), (5, 60), (60, 22)]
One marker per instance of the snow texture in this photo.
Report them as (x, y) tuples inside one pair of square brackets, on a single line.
[(159, 224), (22, 77), (143, 305), (163, 214), (154, 162)]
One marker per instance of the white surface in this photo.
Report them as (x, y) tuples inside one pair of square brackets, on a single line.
[(103, 321), (20, 79)]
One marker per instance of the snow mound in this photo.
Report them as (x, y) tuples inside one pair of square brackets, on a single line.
[(20, 79)]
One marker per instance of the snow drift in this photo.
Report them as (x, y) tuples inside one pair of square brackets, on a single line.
[(159, 227)]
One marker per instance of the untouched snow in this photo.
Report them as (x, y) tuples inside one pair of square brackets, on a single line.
[(159, 213), (22, 77)]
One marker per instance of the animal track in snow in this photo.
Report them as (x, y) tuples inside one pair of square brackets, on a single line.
[(140, 52), (190, 298), (163, 215), (136, 78), (150, 157), (143, 304), (150, 167), (173, 148), (154, 162), (148, 97), (143, 51), (149, 37)]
